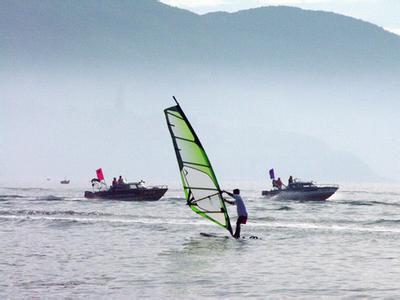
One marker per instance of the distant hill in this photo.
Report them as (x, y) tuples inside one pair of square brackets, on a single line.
[(145, 32)]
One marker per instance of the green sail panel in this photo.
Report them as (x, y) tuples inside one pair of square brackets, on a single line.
[(201, 187)]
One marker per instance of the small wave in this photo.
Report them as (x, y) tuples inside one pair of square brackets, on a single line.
[(284, 208), (384, 221), (104, 219), (60, 221), (385, 203), (367, 203), (25, 189), (39, 198), (32, 198), (356, 203), (263, 208), (265, 219), (24, 212), (49, 198), (174, 199), (371, 193), (46, 284), (308, 226), (12, 196)]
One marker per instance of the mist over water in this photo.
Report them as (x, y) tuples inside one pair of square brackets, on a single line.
[(56, 243), (70, 126)]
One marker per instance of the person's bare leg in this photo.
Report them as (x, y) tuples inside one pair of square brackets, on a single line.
[(237, 230)]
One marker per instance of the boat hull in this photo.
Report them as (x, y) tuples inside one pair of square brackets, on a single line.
[(151, 194), (319, 194)]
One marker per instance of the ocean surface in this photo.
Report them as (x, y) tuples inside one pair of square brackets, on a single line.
[(55, 244)]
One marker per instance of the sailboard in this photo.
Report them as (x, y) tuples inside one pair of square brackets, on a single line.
[(202, 191)]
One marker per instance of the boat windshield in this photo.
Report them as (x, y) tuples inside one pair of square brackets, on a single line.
[(300, 184), (136, 185)]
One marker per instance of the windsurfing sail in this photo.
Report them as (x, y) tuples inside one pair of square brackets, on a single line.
[(201, 187)]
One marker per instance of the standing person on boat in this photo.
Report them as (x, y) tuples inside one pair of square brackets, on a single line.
[(241, 210), (274, 183), (279, 183), (120, 180), (290, 181), (114, 182)]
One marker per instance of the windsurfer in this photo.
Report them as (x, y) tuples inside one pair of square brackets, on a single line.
[(241, 210)]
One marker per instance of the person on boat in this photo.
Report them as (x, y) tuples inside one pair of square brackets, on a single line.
[(279, 183), (290, 181), (114, 182), (274, 185), (241, 210), (121, 180)]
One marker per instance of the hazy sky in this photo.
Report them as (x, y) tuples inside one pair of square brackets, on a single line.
[(70, 104), (384, 13)]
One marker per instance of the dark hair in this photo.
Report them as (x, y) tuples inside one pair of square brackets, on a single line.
[(236, 191)]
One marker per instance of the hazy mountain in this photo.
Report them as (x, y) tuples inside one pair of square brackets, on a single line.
[(124, 33), (83, 84)]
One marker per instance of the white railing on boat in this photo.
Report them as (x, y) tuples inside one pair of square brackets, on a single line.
[(326, 185), (157, 187)]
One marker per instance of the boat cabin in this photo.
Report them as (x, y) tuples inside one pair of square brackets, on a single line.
[(302, 186)]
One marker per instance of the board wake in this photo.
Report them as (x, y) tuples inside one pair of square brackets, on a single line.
[(213, 235), (251, 237)]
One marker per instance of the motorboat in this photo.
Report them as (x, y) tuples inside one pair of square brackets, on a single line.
[(132, 191), (303, 191)]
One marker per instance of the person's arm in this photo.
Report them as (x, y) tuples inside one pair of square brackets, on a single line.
[(230, 194), (230, 202), (227, 201)]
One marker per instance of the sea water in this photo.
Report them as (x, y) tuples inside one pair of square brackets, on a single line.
[(56, 244)]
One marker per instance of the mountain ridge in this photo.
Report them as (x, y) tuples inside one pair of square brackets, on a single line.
[(149, 32)]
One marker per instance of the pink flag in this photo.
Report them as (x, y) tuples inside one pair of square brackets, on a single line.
[(99, 173)]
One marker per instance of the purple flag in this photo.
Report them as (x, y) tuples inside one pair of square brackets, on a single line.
[(272, 174)]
